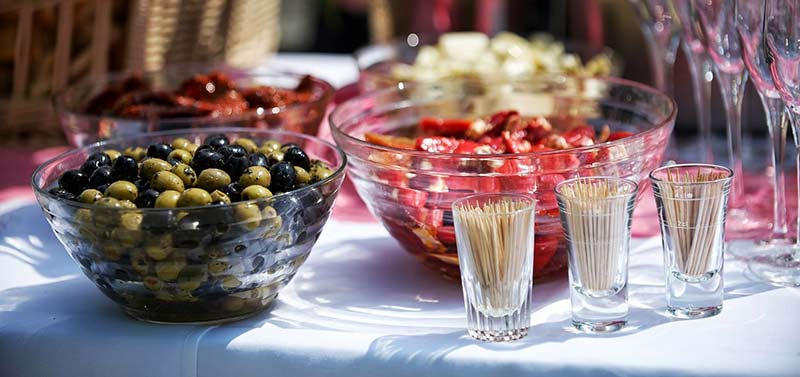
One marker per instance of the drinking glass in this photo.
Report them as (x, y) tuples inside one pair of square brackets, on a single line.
[(494, 235), (596, 216), (701, 71), (692, 201), (717, 19), (661, 33), (750, 25), (782, 37)]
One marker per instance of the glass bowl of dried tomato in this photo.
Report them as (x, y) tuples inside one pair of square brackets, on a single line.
[(190, 96), (416, 148)]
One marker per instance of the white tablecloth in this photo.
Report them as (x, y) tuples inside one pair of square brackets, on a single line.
[(360, 306)]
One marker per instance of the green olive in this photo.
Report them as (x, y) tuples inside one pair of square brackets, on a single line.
[(83, 216), (249, 145), (319, 172), (302, 176), (180, 143), (159, 248), (165, 180), (272, 145), (274, 157), (248, 215), (272, 222), (190, 282), (113, 251), (167, 199), (122, 190), (255, 192), (152, 166), (232, 304), (185, 173), (169, 269), (230, 282), (131, 220), (139, 262), (194, 197), (112, 154), (90, 196), (217, 267), (212, 179), (180, 155), (108, 202), (220, 197), (255, 175), (127, 204), (125, 237), (138, 153)]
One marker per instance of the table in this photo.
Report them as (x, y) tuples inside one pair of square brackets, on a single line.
[(361, 306)]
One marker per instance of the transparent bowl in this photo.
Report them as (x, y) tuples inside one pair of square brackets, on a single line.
[(411, 192), (82, 128), (196, 264), (375, 61)]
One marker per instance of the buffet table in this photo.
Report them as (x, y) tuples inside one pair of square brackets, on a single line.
[(360, 306)]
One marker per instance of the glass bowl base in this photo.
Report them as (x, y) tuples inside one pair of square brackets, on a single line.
[(196, 319), (780, 268)]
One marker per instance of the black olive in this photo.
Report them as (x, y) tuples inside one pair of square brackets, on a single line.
[(202, 147), (234, 191), (142, 184), (159, 150), (74, 181), (146, 198), (90, 166), (100, 157), (103, 187), (283, 176), (101, 176), (217, 141), (286, 146), (231, 149), (297, 157), (61, 193), (258, 159), (124, 169), (173, 161), (206, 159), (235, 164)]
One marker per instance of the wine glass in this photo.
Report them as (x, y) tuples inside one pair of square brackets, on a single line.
[(700, 69), (719, 27), (661, 32), (782, 39), (750, 25)]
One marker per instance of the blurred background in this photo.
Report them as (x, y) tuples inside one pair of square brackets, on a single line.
[(46, 45)]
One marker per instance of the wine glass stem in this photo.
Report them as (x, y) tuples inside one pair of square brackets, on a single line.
[(700, 70), (795, 119), (732, 88), (777, 125), (662, 56)]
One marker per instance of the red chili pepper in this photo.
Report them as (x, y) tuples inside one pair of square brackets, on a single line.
[(446, 235), (409, 197), (437, 144), (515, 143), (444, 127), (580, 136), (494, 125), (496, 144), (544, 247), (619, 135), (467, 147)]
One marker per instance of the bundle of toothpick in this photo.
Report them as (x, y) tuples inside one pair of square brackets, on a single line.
[(693, 206), (597, 213), (499, 238)]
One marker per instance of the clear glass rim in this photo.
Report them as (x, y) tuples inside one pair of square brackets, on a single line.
[(627, 182), (60, 104), (336, 130), (529, 201), (40, 191), (729, 174)]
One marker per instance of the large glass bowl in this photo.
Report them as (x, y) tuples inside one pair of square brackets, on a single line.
[(411, 192), (82, 128), (195, 264), (376, 61)]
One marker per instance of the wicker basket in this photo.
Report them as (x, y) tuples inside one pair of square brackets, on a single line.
[(46, 45)]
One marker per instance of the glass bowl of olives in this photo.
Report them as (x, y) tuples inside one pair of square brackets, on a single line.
[(192, 226), (187, 96)]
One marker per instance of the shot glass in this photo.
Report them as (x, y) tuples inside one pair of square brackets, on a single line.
[(692, 202), (596, 216), (494, 235)]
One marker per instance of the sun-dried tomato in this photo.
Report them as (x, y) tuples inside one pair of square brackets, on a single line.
[(444, 127)]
